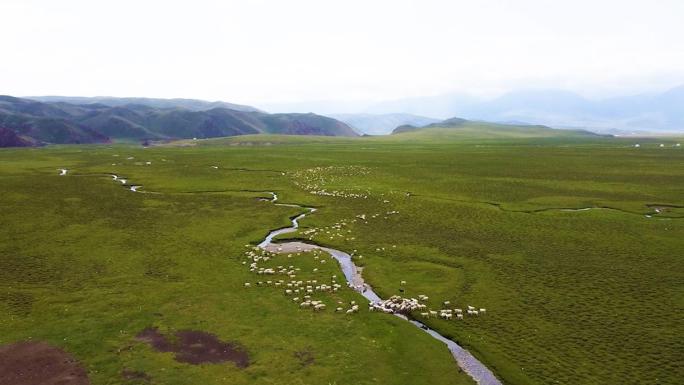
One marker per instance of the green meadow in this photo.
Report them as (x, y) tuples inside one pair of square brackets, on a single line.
[(587, 297)]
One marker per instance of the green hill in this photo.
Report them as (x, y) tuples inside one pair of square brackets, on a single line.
[(59, 122), (467, 129)]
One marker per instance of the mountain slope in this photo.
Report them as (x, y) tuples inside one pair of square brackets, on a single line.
[(61, 122), (458, 127)]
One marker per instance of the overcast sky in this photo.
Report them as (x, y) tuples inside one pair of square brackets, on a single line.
[(259, 52)]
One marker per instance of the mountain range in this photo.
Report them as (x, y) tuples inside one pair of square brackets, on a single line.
[(642, 113), (188, 104), (655, 112), (26, 122)]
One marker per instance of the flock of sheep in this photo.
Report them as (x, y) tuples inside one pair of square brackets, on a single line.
[(313, 180), (661, 145), (302, 291)]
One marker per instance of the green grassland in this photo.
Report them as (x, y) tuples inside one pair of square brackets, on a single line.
[(572, 297)]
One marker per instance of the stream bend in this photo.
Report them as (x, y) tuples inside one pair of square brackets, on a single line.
[(466, 361)]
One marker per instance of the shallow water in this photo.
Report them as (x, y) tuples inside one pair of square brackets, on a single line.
[(466, 361)]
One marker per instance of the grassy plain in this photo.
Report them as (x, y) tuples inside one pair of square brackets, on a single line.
[(573, 297)]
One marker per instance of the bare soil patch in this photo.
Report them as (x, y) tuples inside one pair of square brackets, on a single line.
[(37, 363), (196, 347)]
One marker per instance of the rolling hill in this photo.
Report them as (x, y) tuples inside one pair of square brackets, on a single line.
[(31, 122), (486, 130)]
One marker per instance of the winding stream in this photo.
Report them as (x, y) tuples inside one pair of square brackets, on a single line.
[(466, 361), (471, 365)]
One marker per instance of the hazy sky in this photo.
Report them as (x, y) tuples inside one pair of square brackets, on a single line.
[(285, 51)]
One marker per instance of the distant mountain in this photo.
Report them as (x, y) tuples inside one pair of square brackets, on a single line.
[(660, 112), (32, 122), (440, 106), (188, 104), (480, 129), (381, 124)]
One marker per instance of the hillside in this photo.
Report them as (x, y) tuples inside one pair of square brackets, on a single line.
[(474, 129), (30, 122)]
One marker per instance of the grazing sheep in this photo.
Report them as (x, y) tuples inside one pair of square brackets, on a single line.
[(482, 310), (247, 284)]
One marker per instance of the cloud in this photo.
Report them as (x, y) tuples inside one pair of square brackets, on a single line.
[(271, 51)]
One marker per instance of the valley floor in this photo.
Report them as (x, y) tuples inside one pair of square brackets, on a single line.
[(572, 246)]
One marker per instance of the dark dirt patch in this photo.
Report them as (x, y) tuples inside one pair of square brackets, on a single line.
[(196, 347), (305, 357), (37, 363), (133, 375)]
